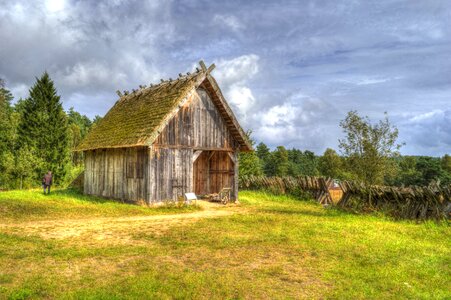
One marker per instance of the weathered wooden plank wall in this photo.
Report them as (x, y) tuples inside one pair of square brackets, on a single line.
[(166, 170), (117, 173), (171, 173), (197, 126)]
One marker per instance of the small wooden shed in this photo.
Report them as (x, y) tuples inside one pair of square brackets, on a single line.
[(162, 141)]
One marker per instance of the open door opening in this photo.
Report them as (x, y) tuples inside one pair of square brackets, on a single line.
[(213, 171)]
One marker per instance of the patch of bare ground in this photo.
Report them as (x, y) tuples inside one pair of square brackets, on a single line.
[(115, 230), (139, 247)]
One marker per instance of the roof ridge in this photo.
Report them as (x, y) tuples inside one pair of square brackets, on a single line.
[(137, 117), (203, 69), (153, 87)]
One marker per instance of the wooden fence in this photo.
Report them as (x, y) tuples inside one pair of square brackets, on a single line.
[(414, 202), (317, 186), (420, 203)]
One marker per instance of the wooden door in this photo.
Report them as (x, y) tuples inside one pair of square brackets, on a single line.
[(221, 170), (200, 174), (213, 170)]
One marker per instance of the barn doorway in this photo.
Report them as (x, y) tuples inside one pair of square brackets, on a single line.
[(213, 171)]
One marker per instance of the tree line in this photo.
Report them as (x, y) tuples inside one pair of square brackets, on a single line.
[(368, 152), (37, 135)]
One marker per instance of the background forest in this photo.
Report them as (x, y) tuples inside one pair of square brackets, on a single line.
[(37, 135)]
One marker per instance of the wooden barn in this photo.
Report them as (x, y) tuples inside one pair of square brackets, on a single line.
[(162, 141)]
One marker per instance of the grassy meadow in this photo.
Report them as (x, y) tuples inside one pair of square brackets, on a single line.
[(70, 246)]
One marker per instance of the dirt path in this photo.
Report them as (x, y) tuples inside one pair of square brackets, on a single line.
[(114, 229)]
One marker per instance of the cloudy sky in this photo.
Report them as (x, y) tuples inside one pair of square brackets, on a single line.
[(290, 69)]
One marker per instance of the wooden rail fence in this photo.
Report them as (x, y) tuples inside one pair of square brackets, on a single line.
[(317, 186), (420, 203)]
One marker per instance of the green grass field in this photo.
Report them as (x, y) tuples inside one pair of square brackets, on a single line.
[(273, 247)]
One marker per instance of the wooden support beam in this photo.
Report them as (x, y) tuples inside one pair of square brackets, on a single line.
[(232, 156), (179, 147), (202, 65), (196, 155), (235, 177), (211, 154), (213, 149), (211, 68)]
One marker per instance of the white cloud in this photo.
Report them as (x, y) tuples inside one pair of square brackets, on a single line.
[(279, 115), (97, 102), (372, 56), (241, 97), (229, 20), (20, 91), (294, 122), (237, 70), (426, 116), (428, 132), (278, 135), (89, 73), (55, 5), (233, 76), (367, 81)]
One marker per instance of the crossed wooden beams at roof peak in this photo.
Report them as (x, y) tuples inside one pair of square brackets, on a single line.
[(204, 67)]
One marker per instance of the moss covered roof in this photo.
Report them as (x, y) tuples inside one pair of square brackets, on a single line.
[(136, 118)]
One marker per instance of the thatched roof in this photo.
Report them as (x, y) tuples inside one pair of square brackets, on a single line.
[(137, 118)]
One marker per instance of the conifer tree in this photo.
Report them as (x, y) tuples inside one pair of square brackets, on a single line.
[(6, 143), (278, 163), (44, 130), (264, 154), (5, 113)]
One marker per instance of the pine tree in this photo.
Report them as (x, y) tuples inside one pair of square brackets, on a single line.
[(278, 164), (264, 154), (6, 136), (5, 113), (44, 130), (309, 163)]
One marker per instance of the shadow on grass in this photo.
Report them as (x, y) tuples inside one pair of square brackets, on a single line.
[(327, 212), (169, 206), (76, 193)]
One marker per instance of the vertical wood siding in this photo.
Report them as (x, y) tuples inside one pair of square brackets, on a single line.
[(171, 173), (197, 126), (166, 170), (106, 173)]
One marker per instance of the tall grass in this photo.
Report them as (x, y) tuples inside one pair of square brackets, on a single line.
[(272, 247), (32, 204)]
